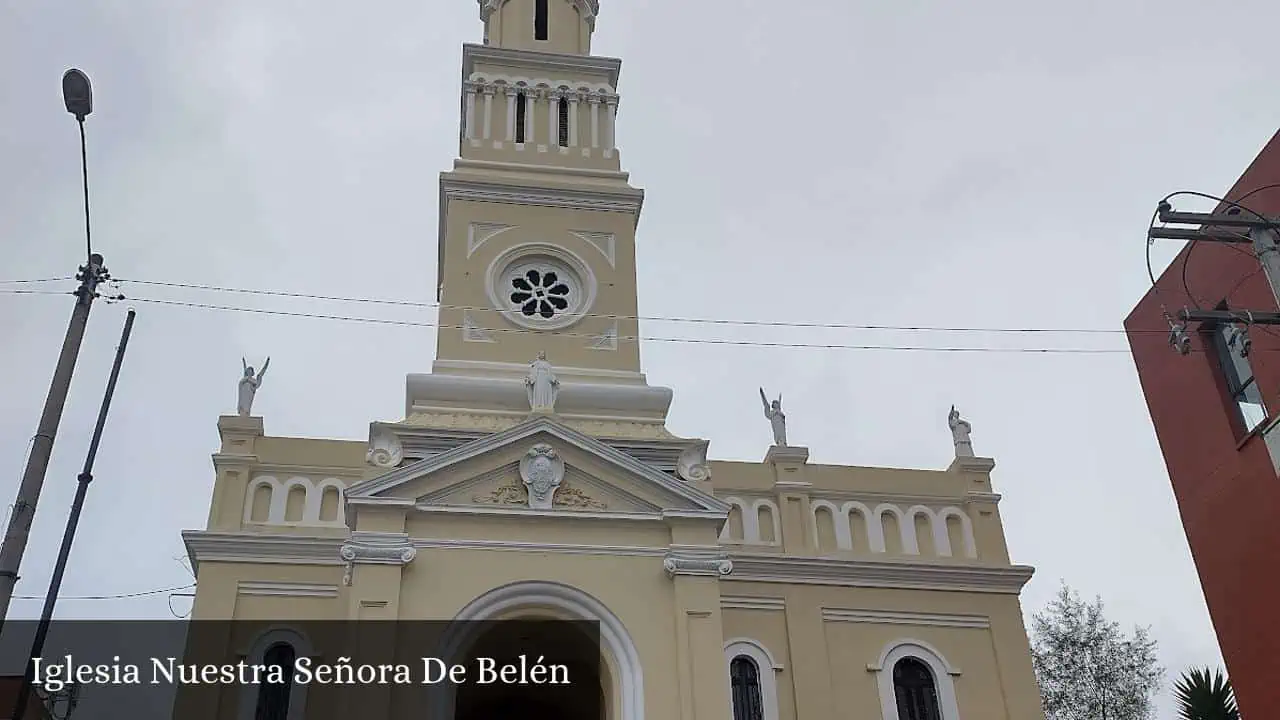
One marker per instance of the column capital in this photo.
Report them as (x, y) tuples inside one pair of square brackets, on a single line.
[(367, 548), (705, 564)]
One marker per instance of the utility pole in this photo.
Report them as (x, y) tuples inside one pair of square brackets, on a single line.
[(78, 96), (1236, 225), (69, 535)]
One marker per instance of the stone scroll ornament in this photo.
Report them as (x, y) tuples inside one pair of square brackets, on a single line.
[(385, 449), (542, 471)]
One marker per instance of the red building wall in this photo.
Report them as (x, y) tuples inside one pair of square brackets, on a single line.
[(1226, 486)]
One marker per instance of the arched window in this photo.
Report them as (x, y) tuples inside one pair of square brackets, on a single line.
[(540, 20), (563, 109), (522, 109), (744, 683), (916, 694), (273, 698)]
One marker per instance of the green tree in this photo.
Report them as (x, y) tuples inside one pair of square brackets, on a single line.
[(1088, 669), (1205, 695)]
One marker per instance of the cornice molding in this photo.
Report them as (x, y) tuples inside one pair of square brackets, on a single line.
[(473, 54), (873, 573), (988, 497), (213, 546), (511, 167), (229, 460), (624, 200)]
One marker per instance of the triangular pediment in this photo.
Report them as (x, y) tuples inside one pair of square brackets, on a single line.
[(538, 465)]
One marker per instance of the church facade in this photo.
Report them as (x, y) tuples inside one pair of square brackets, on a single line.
[(532, 474)]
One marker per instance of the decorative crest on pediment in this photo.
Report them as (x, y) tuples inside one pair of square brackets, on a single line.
[(542, 471)]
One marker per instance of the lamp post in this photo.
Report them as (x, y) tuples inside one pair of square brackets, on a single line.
[(78, 96)]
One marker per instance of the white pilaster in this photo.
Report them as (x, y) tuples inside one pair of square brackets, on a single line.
[(612, 121), (530, 98), (511, 114), (488, 111), (594, 100), (573, 120), (469, 123), (553, 118)]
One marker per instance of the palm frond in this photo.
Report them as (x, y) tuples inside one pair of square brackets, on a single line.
[(1205, 695)]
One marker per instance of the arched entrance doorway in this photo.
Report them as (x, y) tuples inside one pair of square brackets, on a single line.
[(620, 679), (572, 687)]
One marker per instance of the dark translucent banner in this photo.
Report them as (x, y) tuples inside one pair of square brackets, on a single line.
[(291, 670)]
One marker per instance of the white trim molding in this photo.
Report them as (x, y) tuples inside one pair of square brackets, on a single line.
[(312, 504), (577, 273), (899, 617), (841, 572), (620, 652), (842, 516), (766, 668), (750, 514), (744, 602), (942, 671), (286, 589)]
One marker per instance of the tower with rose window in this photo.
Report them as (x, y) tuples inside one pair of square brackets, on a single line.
[(774, 589)]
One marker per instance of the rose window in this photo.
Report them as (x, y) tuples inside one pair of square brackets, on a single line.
[(540, 292), (540, 287)]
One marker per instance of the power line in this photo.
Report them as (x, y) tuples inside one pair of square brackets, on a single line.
[(656, 318), (41, 280), (624, 338), (686, 340), (120, 596)]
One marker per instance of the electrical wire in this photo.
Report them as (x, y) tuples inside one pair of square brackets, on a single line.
[(625, 338), (120, 596), (651, 318), (40, 280), (687, 340)]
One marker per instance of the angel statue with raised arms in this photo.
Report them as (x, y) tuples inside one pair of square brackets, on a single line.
[(960, 433), (249, 385), (776, 418)]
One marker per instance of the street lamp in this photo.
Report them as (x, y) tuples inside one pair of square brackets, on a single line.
[(77, 93), (78, 96)]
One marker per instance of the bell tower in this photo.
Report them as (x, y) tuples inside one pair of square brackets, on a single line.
[(557, 26), (537, 219)]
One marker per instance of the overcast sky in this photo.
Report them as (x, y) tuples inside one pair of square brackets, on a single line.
[(988, 164)]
